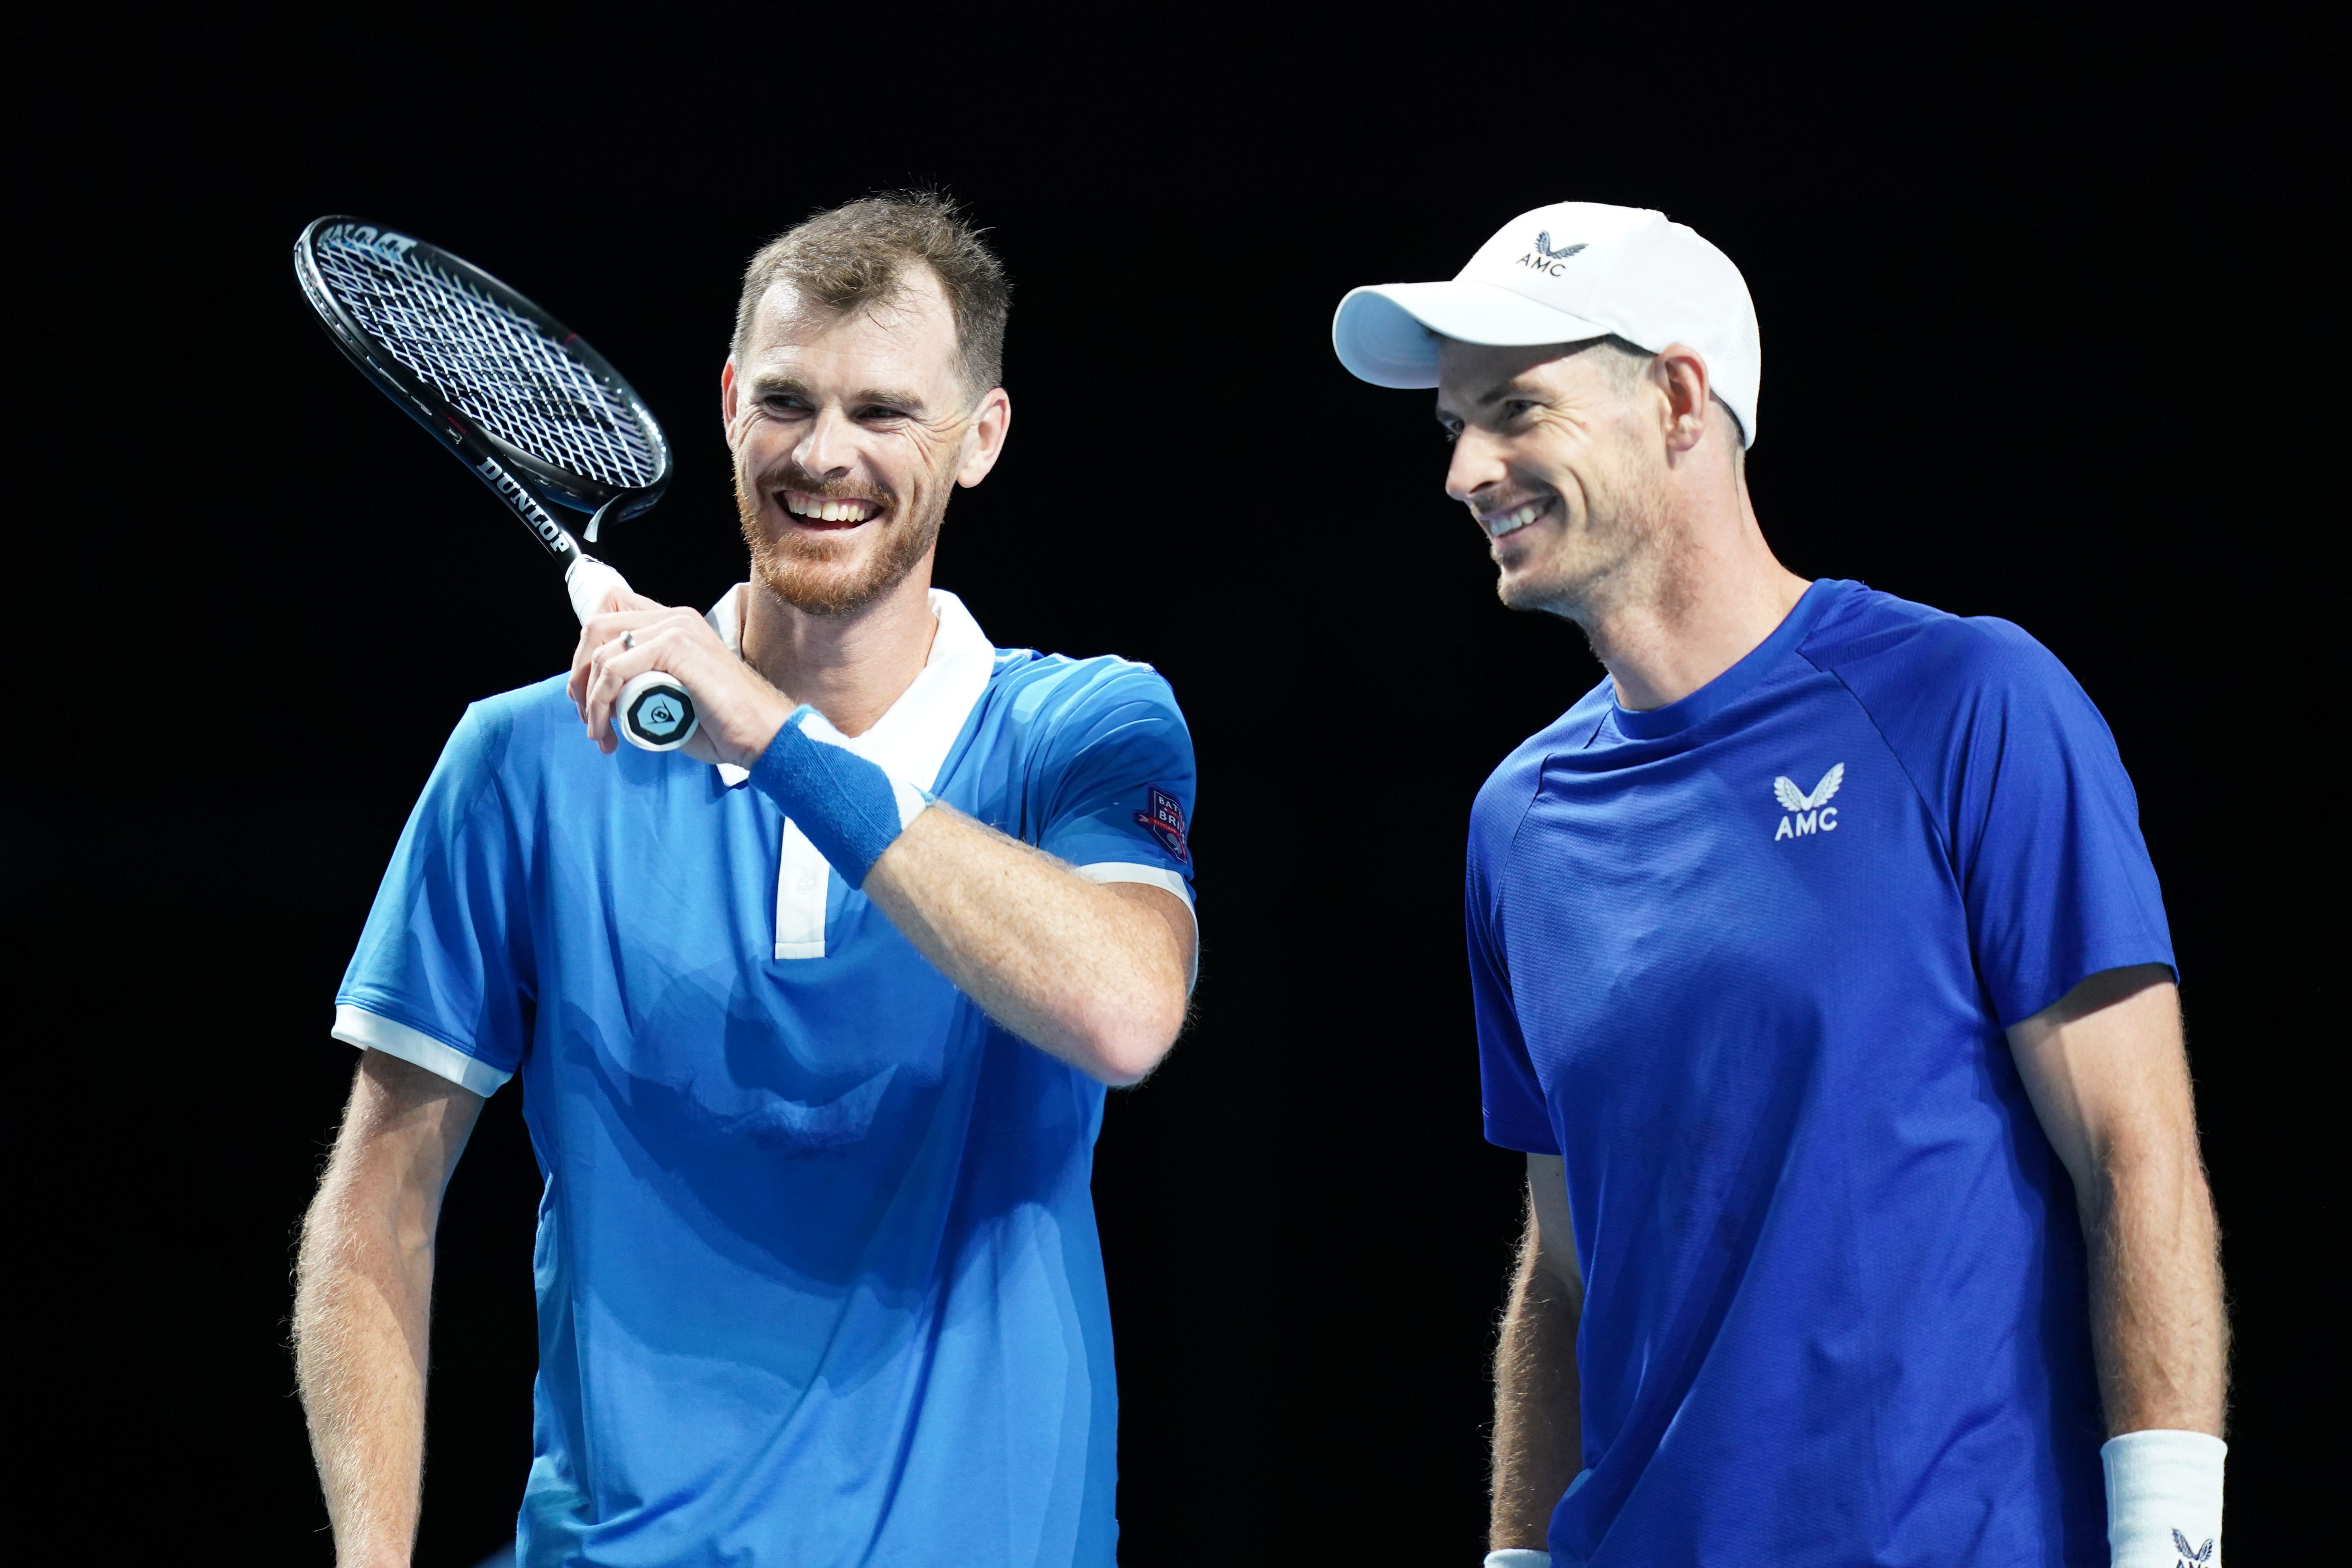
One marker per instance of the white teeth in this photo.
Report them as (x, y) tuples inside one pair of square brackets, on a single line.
[(829, 511), (1512, 521)]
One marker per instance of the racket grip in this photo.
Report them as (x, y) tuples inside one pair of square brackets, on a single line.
[(588, 580), (655, 712)]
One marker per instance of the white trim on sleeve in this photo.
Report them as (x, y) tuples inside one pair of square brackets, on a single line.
[(1159, 877), (374, 1032), (1135, 871)]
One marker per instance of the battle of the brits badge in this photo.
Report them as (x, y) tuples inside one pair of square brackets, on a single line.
[(1166, 820)]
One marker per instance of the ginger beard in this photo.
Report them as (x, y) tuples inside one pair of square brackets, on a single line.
[(818, 573)]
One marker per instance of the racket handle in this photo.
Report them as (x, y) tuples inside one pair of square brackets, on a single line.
[(655, 713), (588, 580)]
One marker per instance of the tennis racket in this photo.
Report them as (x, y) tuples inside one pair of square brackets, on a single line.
[(515, 395)]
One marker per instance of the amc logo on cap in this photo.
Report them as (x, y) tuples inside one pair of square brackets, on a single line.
[(1546, 260)]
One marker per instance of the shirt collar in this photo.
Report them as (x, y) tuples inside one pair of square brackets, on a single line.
[(1653, 723), (912, 738)]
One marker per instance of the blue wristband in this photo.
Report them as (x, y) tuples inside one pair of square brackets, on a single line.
[(849, 808)]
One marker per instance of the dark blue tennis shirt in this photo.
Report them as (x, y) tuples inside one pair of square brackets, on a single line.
[(1746, 961)]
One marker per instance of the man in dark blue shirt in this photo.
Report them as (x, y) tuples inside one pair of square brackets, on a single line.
[(1819, 969)]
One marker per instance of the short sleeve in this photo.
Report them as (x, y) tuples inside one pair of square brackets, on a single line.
[(2040, 818), (1118, 781), (1510, 1097), (440, 976)]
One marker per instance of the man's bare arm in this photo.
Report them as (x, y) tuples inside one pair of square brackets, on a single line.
[(2108, 1076), (1099, 976), (362, 1299), (1538, 1427)]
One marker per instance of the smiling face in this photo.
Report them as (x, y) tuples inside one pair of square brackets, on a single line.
[(1550, 455), (850, 431)]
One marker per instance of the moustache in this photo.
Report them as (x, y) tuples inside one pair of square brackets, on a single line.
[(791, 476)]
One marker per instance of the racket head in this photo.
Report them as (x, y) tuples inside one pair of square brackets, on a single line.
[(483, 367)]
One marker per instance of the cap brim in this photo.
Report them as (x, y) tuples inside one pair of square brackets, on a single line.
[(1386, 333)]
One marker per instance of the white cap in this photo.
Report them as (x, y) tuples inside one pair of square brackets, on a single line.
[(1562, 274)]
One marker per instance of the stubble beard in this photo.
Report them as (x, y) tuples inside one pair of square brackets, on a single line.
[(807, 571), (1617, 556)]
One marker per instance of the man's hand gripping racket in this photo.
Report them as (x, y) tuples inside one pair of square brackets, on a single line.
[(654, 710), (514, 395)]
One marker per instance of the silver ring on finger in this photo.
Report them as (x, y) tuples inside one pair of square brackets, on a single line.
[(628, 641)]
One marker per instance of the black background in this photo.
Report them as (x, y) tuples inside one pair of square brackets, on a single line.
[(2050, 330)]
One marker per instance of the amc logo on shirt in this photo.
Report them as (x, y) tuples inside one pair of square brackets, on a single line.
[(1808, 814)]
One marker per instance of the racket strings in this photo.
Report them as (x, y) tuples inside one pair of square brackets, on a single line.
[(490, 362)]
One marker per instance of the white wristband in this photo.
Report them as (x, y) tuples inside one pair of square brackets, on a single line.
[(2164, 1500), (1518, 1557)]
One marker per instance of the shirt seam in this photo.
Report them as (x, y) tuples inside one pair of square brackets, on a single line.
[(1927, 802), (1935, 825), (1526, 810)]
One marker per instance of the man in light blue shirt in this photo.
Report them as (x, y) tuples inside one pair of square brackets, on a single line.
[(813, 1019)]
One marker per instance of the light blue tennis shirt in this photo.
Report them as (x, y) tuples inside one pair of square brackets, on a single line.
[(817, 1269), (1746, 961)]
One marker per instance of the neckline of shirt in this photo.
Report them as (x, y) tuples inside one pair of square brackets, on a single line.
[(913, 736), (1652, 723)]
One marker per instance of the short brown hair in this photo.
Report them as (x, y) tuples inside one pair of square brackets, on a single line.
[(857, 255)]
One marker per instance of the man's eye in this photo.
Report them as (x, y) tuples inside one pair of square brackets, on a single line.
[(1518, 409)]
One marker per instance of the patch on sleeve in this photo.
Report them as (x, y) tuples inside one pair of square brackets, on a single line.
[(1166, 820)]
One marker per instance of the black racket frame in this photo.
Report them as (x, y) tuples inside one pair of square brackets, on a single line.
[(528, 485)]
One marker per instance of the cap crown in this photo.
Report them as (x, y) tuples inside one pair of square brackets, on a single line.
[(1567, 273), (1643, 276), (1559, 255)]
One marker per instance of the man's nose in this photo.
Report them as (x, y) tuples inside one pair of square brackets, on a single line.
[(828, 445), (1477, 463)]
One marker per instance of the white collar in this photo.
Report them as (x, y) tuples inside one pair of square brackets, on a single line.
[(912, 737)]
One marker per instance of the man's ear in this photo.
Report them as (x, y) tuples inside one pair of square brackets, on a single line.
[(727, 400), (985, 437), (1681, 375)]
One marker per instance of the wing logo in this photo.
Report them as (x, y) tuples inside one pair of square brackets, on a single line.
[(2197, 1559), (1543, 258), (1807, 814)]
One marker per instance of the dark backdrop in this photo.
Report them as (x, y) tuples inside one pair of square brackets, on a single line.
[(2049, 340)]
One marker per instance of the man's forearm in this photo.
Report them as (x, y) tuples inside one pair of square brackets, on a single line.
[(363, 1295), (1096, 978), (360, 1318), (2107, 1072), (1539, 1437), (2157, 1324)]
